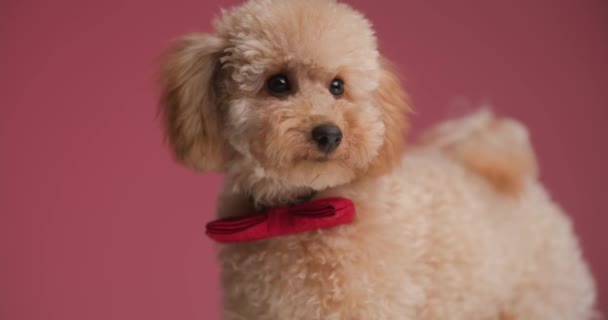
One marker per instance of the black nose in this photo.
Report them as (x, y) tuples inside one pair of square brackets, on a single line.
[(327, 137)]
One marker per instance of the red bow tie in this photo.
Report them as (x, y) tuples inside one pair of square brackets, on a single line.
[(313, 215)]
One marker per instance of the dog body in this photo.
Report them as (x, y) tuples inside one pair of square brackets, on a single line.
[(291, 99), (432, 240)]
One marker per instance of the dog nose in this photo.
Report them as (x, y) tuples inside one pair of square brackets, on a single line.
[(327, 136)]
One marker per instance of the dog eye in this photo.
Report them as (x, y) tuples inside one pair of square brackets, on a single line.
[(278, 85), (336, 87)]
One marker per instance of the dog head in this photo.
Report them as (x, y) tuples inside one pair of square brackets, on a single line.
[(289, 90)]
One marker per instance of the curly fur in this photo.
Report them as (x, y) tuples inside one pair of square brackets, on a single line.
[(457, 228)]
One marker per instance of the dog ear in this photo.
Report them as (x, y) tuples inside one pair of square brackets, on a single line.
[(394, 103), (188, 103)]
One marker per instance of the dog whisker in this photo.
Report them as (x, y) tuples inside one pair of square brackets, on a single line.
[(315, 179)]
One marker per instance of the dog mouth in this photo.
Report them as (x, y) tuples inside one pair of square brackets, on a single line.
[(311, 155), (323, 157)]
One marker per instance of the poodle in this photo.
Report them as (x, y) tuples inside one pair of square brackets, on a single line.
[(293, 102)]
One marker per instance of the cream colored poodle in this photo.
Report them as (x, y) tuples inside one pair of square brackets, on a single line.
[(292, 101)]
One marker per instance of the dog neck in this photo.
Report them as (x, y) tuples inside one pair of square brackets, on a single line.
[(262, 206), (268, 192)]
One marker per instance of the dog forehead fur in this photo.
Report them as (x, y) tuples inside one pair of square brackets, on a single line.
[(266, 36)]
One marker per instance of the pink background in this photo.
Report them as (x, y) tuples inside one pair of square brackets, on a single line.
[(97, 222)]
